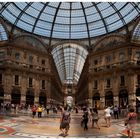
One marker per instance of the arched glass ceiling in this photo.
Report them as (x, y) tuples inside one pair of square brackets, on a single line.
[(70, 20), (69, 60), (3, 34), (136, 33)]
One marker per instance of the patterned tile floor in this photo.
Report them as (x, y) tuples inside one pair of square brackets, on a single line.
[(47, 127)]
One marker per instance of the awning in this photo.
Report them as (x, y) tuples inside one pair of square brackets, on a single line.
[(138, 97)]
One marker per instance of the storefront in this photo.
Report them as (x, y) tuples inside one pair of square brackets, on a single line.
[(30, 97), (123, 98), (96, 100), (109, 98), (42, 98), (15, 96)]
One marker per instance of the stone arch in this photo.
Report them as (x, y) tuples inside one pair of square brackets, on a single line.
[(30, 40), (69, 42), (109, 41), (109, 98)]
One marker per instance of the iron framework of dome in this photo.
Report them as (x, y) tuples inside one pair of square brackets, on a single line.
[(70, 20)]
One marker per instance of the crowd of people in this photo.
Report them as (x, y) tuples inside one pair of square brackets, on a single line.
[(89, 117)]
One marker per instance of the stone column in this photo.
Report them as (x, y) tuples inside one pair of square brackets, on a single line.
[(23, 99), (8, 86), (102, 105), (90, 92), (116, 100), (36, 87), (23, 82)]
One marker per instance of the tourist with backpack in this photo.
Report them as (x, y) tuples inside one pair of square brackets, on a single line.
[(65, 122)]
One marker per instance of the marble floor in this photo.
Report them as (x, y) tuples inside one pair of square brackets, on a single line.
[(20, 126)]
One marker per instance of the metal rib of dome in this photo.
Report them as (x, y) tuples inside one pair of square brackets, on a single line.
[(70, 20)]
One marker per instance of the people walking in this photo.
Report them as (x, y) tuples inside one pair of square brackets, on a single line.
[(94, 118), (40, 110), (34, 109), (130, 122), (116, 112), (85, 119), (65, 122), (107, 115)]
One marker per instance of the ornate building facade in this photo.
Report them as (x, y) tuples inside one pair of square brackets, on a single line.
[(28, 73), (113, 74)]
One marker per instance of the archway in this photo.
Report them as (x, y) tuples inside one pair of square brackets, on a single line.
[(109, 98), (42, 98), (15, 96), (96, 100), (30, 97), (123, 98)]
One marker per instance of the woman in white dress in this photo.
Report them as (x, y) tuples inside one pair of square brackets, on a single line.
[(107, 115)]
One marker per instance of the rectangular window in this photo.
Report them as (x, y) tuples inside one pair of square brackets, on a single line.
[(2, 55), (95, 84), (108, 58), (0, 78), (43, 62), (16, 80), (95, 62), (43, 84), (122, 81), (30, 82), (108, 83), (30, 58), (17, 56), (138, 79)]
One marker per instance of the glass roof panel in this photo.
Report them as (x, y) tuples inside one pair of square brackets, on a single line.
[(3, 34), (69, 60), (58, 18)]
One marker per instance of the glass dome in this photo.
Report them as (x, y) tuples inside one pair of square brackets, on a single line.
[(70, 20)]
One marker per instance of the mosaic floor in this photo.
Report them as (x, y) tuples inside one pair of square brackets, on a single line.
[(47, 127)]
